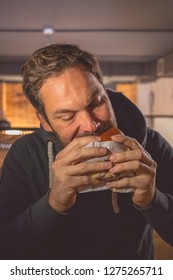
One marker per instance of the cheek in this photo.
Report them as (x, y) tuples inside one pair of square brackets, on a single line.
[(103, 113), (65, 132)]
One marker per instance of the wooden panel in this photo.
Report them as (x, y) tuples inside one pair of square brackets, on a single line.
[(128, 90), (1, 100), (19, 111), (2, 96)]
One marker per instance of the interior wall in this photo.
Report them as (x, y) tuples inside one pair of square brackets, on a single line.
[(155, 99)]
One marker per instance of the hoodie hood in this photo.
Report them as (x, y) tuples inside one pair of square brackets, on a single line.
[(129, 118)]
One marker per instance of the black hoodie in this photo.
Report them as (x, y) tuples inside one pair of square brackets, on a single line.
[(31, 229)]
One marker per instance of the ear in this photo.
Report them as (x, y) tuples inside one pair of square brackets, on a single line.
[(43, 122)]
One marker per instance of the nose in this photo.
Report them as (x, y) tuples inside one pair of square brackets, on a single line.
[(87, 122)]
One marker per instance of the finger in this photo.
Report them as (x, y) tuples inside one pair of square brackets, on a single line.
[(82, 141), (83, 154), (130, 155), (127, 182), (142, 178), (131, 143), (79, 142), (131, 168), (74, 183), (76, 144), (122, 183), (86, 168), (83, 181), (89, 153)]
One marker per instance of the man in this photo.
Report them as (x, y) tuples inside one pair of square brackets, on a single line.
[(43, 213)]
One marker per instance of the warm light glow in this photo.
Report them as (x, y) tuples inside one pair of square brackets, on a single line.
[(13, 132)]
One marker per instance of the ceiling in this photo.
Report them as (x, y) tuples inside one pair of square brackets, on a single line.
[(127, 36)]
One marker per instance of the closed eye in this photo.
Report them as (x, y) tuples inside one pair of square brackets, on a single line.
[(96, 102), (67, 117)]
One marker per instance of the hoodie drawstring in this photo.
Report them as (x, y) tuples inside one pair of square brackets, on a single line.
[(50, 160)]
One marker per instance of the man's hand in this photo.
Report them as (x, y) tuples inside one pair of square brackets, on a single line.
[(137, 161), (71, 171)]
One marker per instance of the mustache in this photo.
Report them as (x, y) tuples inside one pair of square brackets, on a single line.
[(95, 133)]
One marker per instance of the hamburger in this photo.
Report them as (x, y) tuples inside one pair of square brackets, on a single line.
[(100, 178), (106, 141), (106, 135)]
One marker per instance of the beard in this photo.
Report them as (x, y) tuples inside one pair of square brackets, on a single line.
[(103, 126)]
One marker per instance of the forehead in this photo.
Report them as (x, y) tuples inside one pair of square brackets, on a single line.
[(73, 86)]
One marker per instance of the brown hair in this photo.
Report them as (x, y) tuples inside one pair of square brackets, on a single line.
[(51, 61)]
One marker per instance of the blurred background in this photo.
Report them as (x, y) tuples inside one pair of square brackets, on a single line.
[(132, 39)]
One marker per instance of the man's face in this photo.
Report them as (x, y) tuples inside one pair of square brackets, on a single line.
[(76, 105)]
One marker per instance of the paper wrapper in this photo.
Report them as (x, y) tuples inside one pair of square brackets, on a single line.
[(113, 147)]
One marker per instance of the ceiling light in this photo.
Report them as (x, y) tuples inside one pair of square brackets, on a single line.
[(48, 30)]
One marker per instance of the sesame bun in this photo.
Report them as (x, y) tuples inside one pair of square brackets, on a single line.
[(106, 135)]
